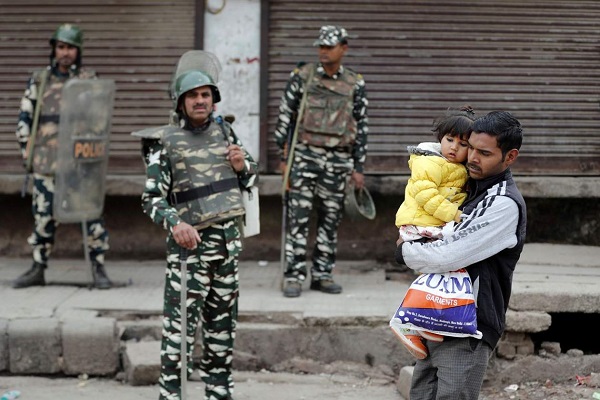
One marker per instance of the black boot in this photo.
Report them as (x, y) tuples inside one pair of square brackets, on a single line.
[(326, 285), (101, 280), (33, 277)]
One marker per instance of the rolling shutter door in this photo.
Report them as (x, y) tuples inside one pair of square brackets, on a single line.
[(536, 59), (136, 43)]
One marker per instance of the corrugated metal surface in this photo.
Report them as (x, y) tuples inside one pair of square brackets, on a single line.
[(134, 42), (537, 59)]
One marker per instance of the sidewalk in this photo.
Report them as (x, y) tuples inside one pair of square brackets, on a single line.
[(544, 270)]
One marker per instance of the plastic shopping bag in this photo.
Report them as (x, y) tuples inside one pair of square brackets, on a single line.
[(439, 303)]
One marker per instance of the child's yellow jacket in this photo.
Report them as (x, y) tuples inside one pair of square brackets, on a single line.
[(435, 188)]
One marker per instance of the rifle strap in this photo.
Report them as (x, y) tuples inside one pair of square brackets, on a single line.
[(226, 132), (290, 157), (36, 119)]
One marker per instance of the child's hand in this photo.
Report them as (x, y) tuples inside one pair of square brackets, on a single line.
[(399, 241)]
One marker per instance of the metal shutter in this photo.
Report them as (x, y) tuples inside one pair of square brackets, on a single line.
[(536, 59), (134, 42)]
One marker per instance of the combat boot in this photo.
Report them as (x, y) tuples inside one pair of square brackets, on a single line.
[(292, 289), (33, 277), (101, 280), (326, 285)]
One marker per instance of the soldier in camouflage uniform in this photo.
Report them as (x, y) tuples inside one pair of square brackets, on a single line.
[(331, 144), (65, 63), (194, 174)]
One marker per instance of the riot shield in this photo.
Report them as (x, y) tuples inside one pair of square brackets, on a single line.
[(195, 60), (83, 138)]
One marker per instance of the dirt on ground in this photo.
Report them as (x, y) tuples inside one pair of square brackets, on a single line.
[(531, 377), (306, 379), (541, 391), (536, 377)]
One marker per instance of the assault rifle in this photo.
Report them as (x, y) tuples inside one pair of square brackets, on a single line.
[(292, 138), (34, 129), (285, 190)]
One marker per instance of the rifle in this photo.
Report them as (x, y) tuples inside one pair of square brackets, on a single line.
[(285, 194), (289, 159), (34, 129)]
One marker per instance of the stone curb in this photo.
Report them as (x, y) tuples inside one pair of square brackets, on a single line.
[(51, 346), (80, 343)]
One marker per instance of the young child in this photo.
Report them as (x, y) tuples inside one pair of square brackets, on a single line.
[(433, 195)]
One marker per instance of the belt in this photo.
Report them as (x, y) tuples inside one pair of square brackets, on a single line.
[(203, 191)]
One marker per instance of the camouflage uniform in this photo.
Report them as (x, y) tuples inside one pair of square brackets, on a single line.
[(44, 162), (319, 170), (212, 266)]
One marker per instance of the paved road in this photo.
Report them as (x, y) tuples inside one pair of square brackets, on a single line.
[(264, 386)]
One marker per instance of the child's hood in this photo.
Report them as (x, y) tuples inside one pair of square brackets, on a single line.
[(426, 149)]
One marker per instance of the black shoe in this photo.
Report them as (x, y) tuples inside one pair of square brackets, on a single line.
[(33, 277), (292, 289), (326, 286), (101, 280)]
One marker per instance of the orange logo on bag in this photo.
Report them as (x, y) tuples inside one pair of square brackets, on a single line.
[(88, 149)]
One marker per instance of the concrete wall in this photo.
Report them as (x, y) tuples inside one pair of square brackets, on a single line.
[(233, 35)]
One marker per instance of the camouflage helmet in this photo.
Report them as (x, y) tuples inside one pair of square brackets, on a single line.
[(194, 79), (68, 33), (359, 203)]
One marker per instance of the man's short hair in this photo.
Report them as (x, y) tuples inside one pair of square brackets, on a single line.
[(504, 126)]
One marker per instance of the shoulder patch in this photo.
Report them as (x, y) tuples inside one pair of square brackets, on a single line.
[(298, 67)]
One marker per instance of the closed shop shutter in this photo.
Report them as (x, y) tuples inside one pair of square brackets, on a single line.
[(136, 43), (536, 59)]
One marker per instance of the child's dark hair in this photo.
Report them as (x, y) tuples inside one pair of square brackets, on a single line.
[(454, 122)]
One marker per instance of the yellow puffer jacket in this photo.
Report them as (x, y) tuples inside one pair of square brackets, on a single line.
[(435, 188)]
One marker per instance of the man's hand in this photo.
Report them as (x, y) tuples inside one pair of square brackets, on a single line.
[(235, 155), (358, 180), (186, 236)]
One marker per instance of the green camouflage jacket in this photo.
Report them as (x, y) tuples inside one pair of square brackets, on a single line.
[(290, 104), (159, 180)]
